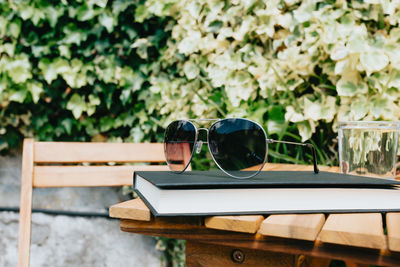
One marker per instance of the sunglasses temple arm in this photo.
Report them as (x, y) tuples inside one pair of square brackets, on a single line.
[(309, 145)]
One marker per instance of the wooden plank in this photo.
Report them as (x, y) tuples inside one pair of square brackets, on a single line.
[(245, 224), (200, 254), (134, 209), (174, 227), (294, 225), (356, 229), (73, 152), (304, 226), (25, 212), (86, 176), (393, 231)]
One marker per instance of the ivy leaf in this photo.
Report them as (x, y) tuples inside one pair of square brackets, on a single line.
[(141, 13), (18, 96), (339, 53), (61, 66), (374, 60), (75, 80), (312, 110), (293, 116), (35, 89), (14, 28), (350, 84), (19, 69), (125, 96), (48, 70), (73, 35), (141, 46), (53, 13), (67, 124), (106, 123), (93, 102), (77, 105), (328, 108), (191, 70), (101, 3), (359, 108), (107, 20), (85, 13), (64, 51), (137, 134), (378, 106), (26, 12), (304, 130), (120, 5)]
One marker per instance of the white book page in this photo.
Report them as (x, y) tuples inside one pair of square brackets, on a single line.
[(203, 201)]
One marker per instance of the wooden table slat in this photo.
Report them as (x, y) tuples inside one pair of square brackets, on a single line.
[(134, 209), (297, 226), (393, 230), (245, 224), (354, 229)]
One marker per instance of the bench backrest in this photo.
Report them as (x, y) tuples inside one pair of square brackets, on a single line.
[(85, 164)]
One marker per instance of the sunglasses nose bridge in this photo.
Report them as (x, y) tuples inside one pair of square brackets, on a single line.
[(201, 133), (199, 143)]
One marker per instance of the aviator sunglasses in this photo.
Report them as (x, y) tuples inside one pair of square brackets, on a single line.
[(238, 146)]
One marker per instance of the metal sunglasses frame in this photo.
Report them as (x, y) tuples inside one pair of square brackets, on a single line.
[(268, 141)]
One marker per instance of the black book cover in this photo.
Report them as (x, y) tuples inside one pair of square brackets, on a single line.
[(218, 180)]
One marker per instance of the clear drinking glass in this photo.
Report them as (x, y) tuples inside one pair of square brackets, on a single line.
[(368, 148)]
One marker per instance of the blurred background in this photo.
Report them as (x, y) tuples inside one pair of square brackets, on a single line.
[(120, 71)]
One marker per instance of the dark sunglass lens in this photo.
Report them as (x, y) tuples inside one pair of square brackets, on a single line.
[(238, 146), (179, 140)]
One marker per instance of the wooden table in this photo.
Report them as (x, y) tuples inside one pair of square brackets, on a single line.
[(275, 240)]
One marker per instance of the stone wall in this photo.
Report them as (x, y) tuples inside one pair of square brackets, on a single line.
[(64, 240)]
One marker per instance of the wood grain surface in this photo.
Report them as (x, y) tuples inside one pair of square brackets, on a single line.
[(393, 230), (88, 176), (246, 224), (304, 226), (134, 209), (75, 152), (25, 212), (357, 229), (201, 254)]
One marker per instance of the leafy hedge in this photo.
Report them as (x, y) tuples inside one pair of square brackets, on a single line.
[(121, 70), (73, 71)]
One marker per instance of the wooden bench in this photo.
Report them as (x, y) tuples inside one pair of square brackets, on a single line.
[(275, 240), (42, 167)]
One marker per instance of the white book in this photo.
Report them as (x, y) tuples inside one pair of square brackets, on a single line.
[(172, 197)]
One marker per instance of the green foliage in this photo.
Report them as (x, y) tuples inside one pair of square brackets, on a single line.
[(122, 70), (174, 251), (73, 71)]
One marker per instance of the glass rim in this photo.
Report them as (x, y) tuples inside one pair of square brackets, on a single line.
[(369, 125)]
